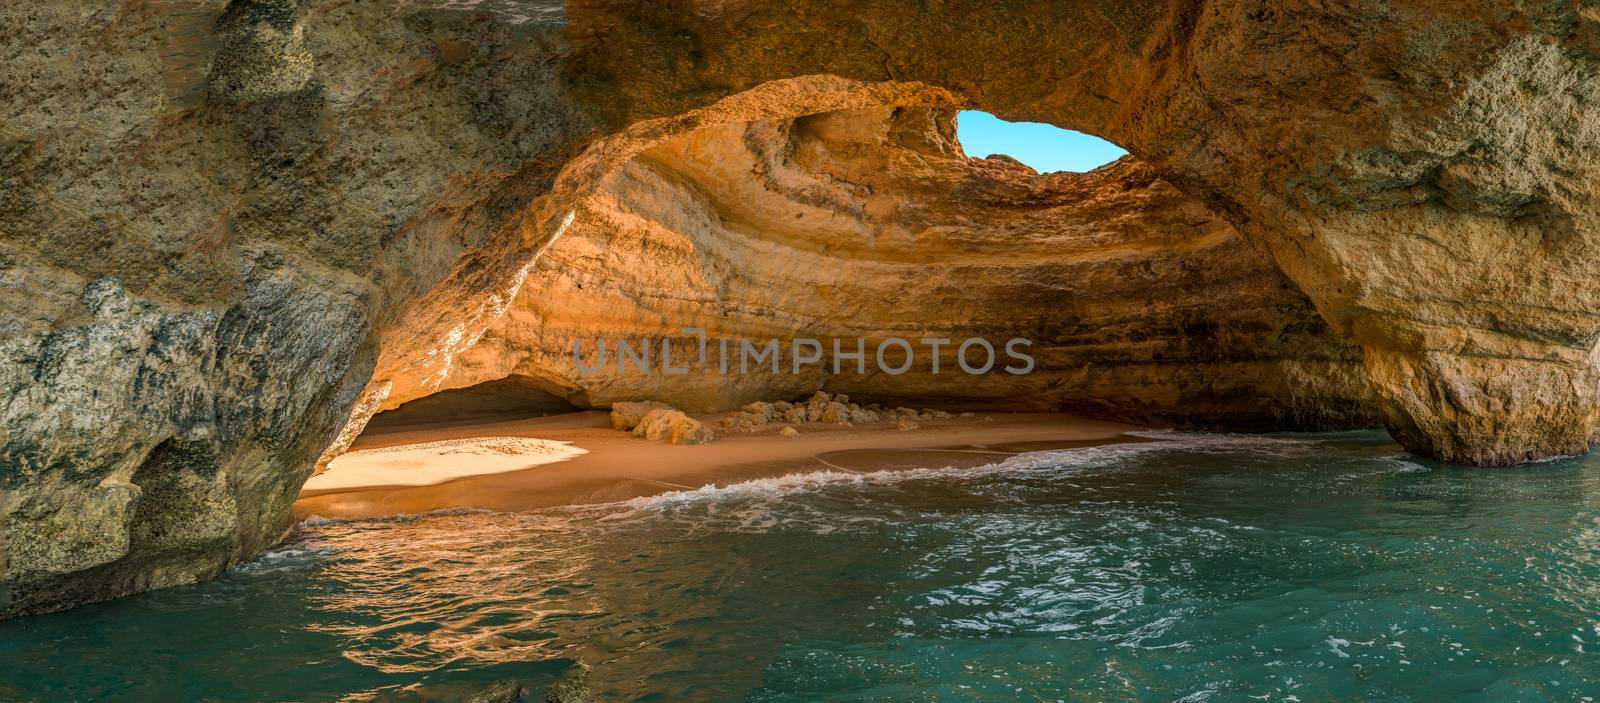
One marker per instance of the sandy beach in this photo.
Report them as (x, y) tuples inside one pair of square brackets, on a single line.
[(574, 458)]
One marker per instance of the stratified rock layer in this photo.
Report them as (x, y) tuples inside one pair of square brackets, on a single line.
[(870, 225), (1423, 171), (227, 228)]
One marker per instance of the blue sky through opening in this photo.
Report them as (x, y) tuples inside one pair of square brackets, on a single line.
[(1040, 146)]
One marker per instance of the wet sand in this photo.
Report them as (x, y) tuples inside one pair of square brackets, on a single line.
[(592, 463)]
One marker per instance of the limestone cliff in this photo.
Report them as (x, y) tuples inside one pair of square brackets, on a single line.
[(212, 218), (227, 228)]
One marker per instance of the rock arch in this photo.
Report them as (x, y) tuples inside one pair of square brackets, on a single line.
[(870, 223), (1420, 174), (203, 267)]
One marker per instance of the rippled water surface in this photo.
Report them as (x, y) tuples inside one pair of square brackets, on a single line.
[(519, 11), (1309, 568)]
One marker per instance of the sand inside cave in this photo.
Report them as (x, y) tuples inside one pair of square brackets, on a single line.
[(428, 463), (528, 463)]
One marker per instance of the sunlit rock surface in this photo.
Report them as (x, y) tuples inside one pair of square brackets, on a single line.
[(228, 228), (1424, 172), (870, 225)]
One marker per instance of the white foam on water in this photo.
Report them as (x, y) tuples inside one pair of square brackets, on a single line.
[(1549, 459), (292, 556), (1053, 462), (751, 505), (1403, 465)]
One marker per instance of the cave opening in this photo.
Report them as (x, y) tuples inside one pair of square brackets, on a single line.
[(1042, 147), (292, 214), (1136, 303), (308, 211)]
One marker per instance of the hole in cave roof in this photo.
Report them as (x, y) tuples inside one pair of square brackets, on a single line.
[(1044, 148)]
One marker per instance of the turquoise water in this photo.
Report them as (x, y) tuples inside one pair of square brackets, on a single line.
[(1308, 567)]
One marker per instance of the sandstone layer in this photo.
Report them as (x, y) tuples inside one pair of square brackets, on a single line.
[(862, 226), (230, 231), (1422, 170)]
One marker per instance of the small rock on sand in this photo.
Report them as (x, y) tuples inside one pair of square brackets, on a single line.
[(674, 427), (835, 409), (627, 414), (906, 424), (789, 432)]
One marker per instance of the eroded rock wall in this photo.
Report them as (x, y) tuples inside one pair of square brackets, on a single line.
[(227, 227), (1139, 303), (213, 217), (1424, 171)]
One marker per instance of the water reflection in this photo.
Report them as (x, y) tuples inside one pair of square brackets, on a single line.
[(1325, 568), (466, 589)]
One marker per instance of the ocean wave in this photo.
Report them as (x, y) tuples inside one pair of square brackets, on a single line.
[(1403, 464), (758, 501), (1053, 462), (290, 556)]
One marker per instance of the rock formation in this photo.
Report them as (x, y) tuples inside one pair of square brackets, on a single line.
[(659, 422), (1421, 171), (673, 427), (231, 231), (869, 225), (204, 252), (626, 415), (821, 407)]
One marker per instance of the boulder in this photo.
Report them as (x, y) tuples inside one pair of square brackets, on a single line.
[(626, 415), (673, 427), (860, 416), (834, 412), (745, 421)]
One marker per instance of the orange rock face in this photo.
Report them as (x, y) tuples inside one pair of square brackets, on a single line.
[(871, 225), (231, 231)]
